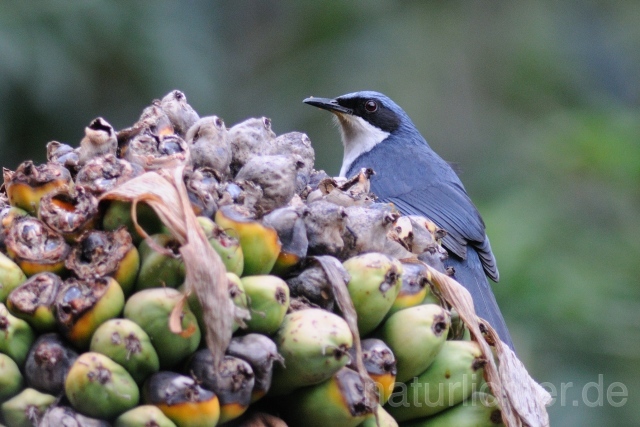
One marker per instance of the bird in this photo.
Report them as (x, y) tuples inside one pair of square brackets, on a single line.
[(378, 134)]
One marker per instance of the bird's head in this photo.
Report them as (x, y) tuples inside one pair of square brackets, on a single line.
[(366, 119)]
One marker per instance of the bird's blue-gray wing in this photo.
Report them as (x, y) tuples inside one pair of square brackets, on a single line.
[(424, 184)]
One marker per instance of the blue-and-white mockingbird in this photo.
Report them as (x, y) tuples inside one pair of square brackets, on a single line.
[(378, 134)]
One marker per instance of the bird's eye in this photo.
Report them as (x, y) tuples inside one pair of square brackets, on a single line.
[(371, 106)]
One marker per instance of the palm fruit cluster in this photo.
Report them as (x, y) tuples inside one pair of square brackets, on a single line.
[(343, 328)]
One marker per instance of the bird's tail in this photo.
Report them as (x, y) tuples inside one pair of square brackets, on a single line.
[(471, 275)]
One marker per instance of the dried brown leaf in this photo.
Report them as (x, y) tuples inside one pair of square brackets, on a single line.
[(165, 192), (522, 401), (333, 270)]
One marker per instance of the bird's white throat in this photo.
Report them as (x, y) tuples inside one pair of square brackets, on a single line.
[(358, 137)]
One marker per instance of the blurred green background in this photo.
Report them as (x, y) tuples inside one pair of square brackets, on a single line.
[(538, 103)]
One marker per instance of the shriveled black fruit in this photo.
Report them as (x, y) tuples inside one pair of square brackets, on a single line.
[(275, 175), (380, 364), (366, 229), (154, 119), (99, 140), (297, 144), (249, 138), (261, 352), (48, 362), (182, 400), (289, 225), (232, 382), (325, 224), (313, 284), (151, 152), (209, 144), (415, 286), (180, 113), (202, 188), (66, 155), (64, 416)]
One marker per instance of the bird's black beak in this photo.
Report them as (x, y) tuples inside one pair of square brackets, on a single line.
[(328, 104)]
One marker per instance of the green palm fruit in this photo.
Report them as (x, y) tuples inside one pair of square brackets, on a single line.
[(384, 419), (83, 305), (338, 401), (29, 183), (232, 382), (99, 387), (380, 364), (151, 309), (158, 270), (35, 247), (64, 416), (127, 344), (314, 344), (34, 301), (481, 410), (11, 276), (26, 408), (16, 336), (11, 380), (225, 243), (374, 286), (458, 329), (268, 298), (106, 253), (431, 298), (182, 400), (260, 352), (454, 374), (415, 335), (260, 244), (415, 287), (144, 416), (118, 213), (48, 362), (237, 294)]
